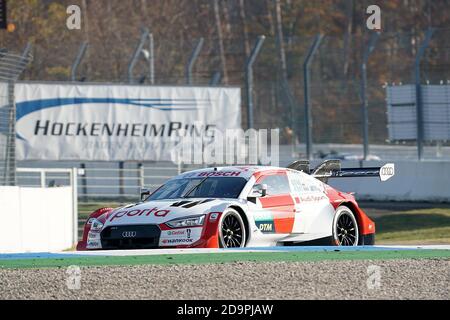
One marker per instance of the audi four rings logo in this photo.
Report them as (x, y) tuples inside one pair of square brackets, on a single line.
[(129, 234)]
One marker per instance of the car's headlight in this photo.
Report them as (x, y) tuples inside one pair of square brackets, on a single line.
[(96, 225), (186, 222)]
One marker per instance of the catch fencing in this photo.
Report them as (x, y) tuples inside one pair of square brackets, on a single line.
[(348, 76), (101, 182), (11, 66)]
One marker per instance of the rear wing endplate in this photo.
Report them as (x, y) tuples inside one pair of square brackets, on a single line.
[(332, 169)]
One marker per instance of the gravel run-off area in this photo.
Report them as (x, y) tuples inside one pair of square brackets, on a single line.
[(349, 279)]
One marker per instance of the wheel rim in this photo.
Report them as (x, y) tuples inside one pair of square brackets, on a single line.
[(232, 231), (346, 230)]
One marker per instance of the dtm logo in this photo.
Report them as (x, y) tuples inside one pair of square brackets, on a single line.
[(129, 234), (266, 227)]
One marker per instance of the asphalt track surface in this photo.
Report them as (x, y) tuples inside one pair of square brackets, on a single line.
[(402, 272)]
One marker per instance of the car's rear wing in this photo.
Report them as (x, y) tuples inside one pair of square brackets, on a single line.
[(332, 169)]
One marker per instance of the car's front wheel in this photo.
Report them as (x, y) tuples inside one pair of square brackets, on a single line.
[(231, 230), (345, 227)]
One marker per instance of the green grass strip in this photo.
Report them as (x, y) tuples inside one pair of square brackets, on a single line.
[(169, 259)]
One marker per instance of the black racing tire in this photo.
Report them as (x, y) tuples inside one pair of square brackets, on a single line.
[(345, 228), (232, 233)]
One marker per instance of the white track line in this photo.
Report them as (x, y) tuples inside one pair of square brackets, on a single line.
[(149, 252), (142, 252)]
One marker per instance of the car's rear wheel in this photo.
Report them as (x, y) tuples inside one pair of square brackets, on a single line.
[(231, 230), (345, 227)]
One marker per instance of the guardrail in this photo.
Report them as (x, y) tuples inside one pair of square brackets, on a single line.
[(103, 182), (120, 181)]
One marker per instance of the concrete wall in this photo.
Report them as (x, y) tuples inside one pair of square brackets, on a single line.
[(413, 181), (36, 219)]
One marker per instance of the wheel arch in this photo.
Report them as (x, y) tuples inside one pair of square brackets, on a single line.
[(97, 213), (244, 218), (81, 245), (352, 207), (361, 218)]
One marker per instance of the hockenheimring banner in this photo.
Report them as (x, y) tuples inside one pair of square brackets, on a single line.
[(117, 122)]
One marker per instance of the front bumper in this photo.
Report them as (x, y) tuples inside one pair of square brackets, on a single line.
[(130, 237), (143, 237), (152, 236)]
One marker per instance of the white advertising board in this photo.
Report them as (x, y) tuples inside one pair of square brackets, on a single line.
[(118, 122)]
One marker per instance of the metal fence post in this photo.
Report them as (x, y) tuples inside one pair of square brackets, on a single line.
[(179, 162), (136, 54), (10, 153), (27, 51), (216, 78), (74, 184), (10, 165), (11, 66), (121, 178), (84, 181), (76, 63), (42, 178), (419, 102), (308, 119), (141, 175), (193, 59), (249, 79), (151, 60), (364, 105)]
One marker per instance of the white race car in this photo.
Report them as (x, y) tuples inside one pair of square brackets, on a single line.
[(239, 206)]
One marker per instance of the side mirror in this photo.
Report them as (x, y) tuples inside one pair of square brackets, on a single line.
[(145, 192), (258, 191)]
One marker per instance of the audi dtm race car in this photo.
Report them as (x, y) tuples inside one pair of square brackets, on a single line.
[(239, 206)]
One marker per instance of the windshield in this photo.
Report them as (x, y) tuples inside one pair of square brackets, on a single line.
[(212, 187)]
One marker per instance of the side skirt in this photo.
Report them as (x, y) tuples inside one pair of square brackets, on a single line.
[(326, 241), (364, 240)]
